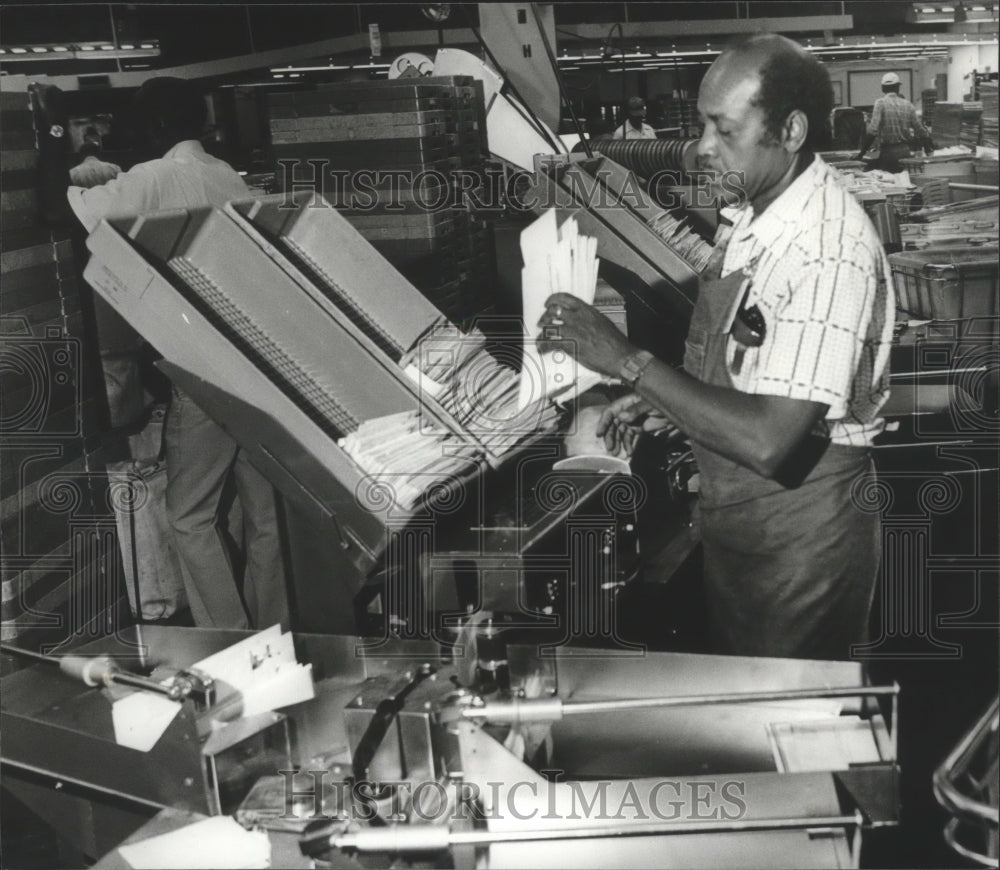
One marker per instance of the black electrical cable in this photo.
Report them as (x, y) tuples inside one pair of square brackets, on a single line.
[(383, 717), (531, 117), (540, 128), (559, 81), (378, 726)]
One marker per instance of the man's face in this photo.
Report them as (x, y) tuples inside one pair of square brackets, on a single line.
[(735, 138), (637, 114)]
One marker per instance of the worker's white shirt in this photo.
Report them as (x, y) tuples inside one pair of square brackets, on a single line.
[(645, 132), (185, 177)]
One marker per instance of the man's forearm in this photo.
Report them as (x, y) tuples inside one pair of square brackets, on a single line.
[(756, 431)]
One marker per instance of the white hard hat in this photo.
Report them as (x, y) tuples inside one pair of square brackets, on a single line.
[(890, 78)]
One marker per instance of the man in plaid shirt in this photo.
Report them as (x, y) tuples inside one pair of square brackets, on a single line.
[(894, 123), (785, 370)]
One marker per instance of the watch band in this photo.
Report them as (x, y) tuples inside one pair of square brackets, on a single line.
[(633, 366)]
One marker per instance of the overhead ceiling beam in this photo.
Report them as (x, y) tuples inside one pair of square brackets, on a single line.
[(646, 29), (843, 48), (426, 38), (229, 66)]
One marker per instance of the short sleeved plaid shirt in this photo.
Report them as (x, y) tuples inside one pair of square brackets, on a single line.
[(821, 280), (895, 120)]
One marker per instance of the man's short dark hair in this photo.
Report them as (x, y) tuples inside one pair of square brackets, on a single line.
[(791, 78), (177, 103), (890, 89)]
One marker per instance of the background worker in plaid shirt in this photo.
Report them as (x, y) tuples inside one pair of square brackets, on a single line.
[(785, 370), (894, 123)]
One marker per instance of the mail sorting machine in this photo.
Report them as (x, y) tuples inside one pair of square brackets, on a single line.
[(285, 327), (382, 422), (593, 758)]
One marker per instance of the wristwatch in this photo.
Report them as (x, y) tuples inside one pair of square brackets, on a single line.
[(633, 366)]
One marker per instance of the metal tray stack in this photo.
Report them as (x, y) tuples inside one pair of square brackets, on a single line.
[(285, 325), (396, 156), (972, 221), (988, 136)]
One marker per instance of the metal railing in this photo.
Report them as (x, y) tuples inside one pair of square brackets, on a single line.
[(966, 785)]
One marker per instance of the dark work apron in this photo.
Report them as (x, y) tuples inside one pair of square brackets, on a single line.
[(790, 564)]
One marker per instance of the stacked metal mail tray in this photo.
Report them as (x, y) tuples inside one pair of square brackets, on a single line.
[(395, 157), (285, 325)]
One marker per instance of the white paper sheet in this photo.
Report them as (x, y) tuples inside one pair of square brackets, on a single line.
[(557, 259), (141, 718), (217, 842), (264, 670)]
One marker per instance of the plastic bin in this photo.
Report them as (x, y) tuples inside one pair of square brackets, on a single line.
[(986, 172), (952, 166), (946, 283), (848, 166), (834, 156), (984, 208), (902, 203), (933, 191), (883, 216)]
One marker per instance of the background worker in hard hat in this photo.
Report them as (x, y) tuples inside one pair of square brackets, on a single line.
[(635, 126), (894, 123)]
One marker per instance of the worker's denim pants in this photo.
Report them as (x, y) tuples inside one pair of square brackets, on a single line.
[(200, 457)]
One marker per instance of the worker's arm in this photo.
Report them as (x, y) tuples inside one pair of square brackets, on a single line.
[(756, 431), (867, 139), (817, 317), (92, 171), (875, 122), (871, 131), (131, 193), (922, 133)]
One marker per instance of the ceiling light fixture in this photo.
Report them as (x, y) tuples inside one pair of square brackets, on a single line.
[(86, 50)]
